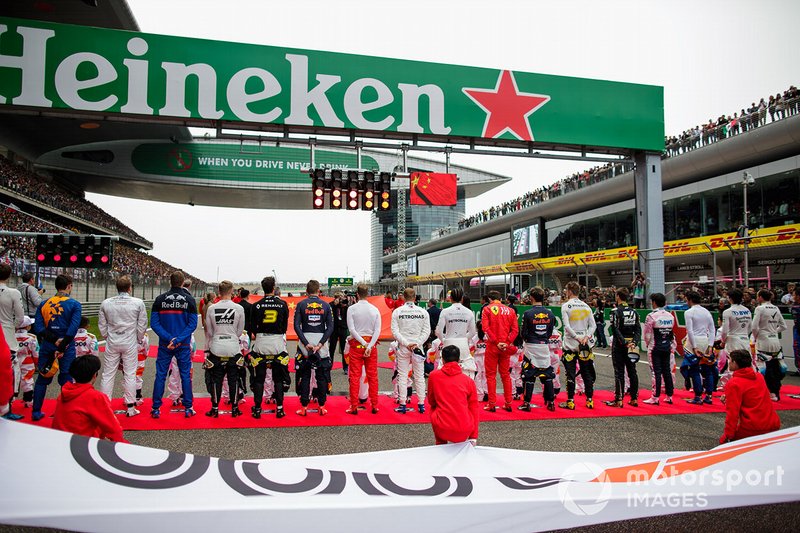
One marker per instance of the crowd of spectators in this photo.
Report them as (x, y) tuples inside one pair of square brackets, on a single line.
[(21, 251), (577, 181), (603, 297), (777, 107), (25, 183), (392, 249)]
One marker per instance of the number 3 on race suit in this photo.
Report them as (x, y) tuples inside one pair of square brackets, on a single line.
[(270, 317), (579, 314)]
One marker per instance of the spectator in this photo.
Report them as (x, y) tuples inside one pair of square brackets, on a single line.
[(453, 400), (81, 409)]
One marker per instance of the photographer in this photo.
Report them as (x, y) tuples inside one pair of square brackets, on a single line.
[(339, 307), (31, 296)]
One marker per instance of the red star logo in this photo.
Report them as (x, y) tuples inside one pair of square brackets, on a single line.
[(507, 109)]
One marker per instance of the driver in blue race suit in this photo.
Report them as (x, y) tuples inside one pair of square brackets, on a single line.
[(174, 319)]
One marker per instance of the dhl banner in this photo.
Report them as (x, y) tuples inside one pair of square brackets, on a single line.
[(64, 481), (778, 236)]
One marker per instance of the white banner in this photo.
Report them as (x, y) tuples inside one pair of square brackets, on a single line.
[(54, 479)]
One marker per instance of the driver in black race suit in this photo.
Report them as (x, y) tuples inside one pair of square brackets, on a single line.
[(269, 318)]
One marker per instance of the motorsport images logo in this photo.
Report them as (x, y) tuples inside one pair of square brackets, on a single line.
[(578, 495)]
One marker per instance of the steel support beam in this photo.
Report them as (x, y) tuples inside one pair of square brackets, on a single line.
[(649, 217)]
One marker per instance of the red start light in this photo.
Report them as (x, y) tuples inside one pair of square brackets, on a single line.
[(40, 257), (353, 193), (57, 258), (318, 201), (104, 259), (73, 258), (88, 258), (353, 203), (337, 193)]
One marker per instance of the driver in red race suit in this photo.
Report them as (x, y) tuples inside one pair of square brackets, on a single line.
[(500, 328)]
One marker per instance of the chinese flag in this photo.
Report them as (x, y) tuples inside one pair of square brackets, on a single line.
[(432, 188)]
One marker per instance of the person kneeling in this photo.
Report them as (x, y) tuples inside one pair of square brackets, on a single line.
[(81, 409), (748, 407), (453, 400)]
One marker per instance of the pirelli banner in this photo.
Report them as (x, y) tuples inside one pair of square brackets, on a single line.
[(54, 479), (155, 77)]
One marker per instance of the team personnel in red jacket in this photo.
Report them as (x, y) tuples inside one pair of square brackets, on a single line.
[(453, 399), (81, 409), (500, 327), (748, 407), (6, 376)]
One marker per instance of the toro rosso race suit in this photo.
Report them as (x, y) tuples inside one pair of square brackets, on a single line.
[(700, 334), (269, 319), (659, 337), (57, 322), (538, 323), (123, 323), (174, 319), (500, 327), (313, 323)]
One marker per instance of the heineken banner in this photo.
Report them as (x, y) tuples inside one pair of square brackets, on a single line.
[(54, 479), (57, 66)]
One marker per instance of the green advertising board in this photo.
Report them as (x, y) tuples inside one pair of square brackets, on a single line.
[(44, 65), (340, 282), (215, 161)]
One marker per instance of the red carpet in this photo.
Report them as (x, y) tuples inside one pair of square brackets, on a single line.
[(199, 356), (337, 417)]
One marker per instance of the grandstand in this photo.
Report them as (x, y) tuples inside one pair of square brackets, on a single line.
[(779, 107), (33, 203), (588, 233)]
